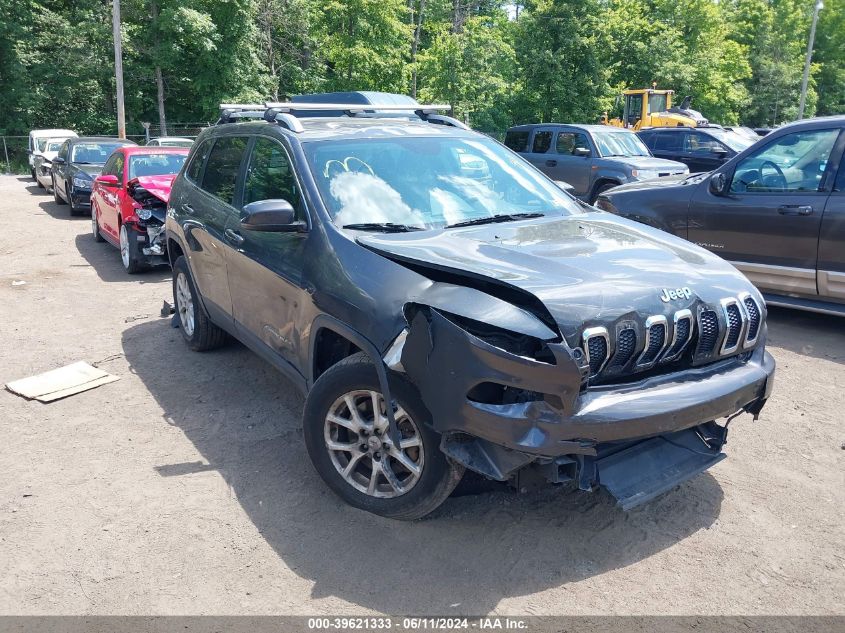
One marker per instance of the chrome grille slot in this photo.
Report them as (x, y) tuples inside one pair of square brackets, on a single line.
[(626, 344), (754, 319), (708, 331), (656, 338), (735, 324), (596, 347), (681, 335)]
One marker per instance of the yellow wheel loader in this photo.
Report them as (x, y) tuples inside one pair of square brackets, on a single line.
[(650, 107)]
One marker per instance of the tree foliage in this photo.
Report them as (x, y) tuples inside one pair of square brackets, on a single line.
[(496, 63)]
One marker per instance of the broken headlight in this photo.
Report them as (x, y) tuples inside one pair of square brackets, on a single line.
[(144, 214), (512, 342)]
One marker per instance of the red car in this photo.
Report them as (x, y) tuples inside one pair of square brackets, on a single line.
[(129, 202)]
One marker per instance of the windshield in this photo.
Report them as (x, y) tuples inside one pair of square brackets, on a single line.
[(620, 144), (155, 164), (94, 153), (429, 182), (736, 141)]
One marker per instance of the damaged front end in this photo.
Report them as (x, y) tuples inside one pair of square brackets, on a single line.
[(151, 199), (514, 401)]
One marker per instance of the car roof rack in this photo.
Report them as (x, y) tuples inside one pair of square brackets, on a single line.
[(284, 113)]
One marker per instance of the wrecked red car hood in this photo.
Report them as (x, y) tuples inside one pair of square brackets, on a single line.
[(159, 186)]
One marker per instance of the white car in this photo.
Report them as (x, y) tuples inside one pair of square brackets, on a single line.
[(43, 161), (38, 140), (170, 141)]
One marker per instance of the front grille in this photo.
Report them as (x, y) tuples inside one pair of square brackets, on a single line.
[(708, 331), (597, 348), (598, 353), (655, 341), (626, 344), (721, 330), (753, 312), (681, 337)]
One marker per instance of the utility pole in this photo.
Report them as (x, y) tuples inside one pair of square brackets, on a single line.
[(819, 6), (118, 69)]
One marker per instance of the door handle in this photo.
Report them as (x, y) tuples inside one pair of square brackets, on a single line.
[(188, 209), (795, 209), (551, 163), (234, 237)]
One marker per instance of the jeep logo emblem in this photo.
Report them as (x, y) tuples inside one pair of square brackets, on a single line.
[(673, 295)]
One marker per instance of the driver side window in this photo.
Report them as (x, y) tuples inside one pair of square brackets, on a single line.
[(795, 162)]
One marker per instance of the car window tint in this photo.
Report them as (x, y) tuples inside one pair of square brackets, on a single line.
[(108, 168), (64, 150), (195, 168), (221, 170), (270, 175), (794, 162), (568, 142), (700, 143), (118, 167), (669, 141), (542, 142), (517, 141)]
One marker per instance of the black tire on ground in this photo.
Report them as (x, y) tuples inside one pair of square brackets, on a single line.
[(56, 195), (95, 226), (601, 189), (439, 475), (32, 173), (39, 183), (69, 195), (204, 334), (135, 262)]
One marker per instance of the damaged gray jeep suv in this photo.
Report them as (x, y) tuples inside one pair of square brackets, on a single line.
[(445, 306)]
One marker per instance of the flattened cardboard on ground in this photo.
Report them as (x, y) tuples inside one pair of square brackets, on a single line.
[(62, 382)]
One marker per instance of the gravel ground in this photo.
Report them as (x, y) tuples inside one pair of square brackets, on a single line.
[(184, 488)]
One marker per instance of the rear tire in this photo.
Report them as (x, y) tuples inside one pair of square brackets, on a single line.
[(405, 482), (198, 332)]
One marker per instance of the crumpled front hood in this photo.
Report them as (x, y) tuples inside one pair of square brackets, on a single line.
[(587, 269), (159, 186)]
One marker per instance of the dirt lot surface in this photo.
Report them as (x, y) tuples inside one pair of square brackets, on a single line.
[(184, 487)]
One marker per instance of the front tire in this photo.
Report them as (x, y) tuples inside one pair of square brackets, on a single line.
[(56, 195), (198, 332), (95, 225), (601, 189), (346, 434), (129, 256)]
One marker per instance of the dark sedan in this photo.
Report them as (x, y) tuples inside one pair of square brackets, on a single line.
[(79, 161), (700, 149), (776, 211)]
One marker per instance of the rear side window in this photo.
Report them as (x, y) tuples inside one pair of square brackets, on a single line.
[(222, 167), (195, 168), (517, 141), (671, 141), (568, 142), (700, 143), (270, 175), (542, 142)]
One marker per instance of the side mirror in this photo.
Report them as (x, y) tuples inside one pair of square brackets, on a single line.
[(107, 180), (582, 151), (718, 184), (720, 151), (275, 216), (59, 160)]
